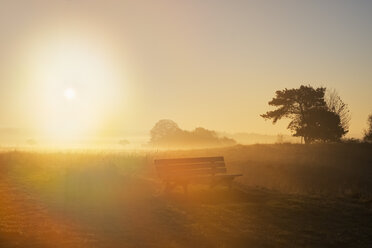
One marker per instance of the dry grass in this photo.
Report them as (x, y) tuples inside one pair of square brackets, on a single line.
[(103, 199), (325, 169)]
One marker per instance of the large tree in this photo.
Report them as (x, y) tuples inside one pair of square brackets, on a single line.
[(309, 114)]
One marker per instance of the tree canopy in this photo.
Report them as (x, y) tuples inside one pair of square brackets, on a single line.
[(310, 116)]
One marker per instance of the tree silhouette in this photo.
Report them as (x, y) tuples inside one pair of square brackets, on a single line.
[(322, 124), (166, 133), (368, 133), (163, 131), (123, 142), (336, 105), (309, 114)]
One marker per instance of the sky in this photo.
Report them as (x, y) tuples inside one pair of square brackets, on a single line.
[(214, 64)]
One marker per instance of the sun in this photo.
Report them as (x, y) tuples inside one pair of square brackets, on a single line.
[(79, 81), (69, 93)]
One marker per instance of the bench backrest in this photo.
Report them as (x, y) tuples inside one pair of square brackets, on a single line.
[(167, 168)]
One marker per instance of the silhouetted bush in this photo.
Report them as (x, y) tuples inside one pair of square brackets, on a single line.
[(123, 142), (351, 141), (166, 133)]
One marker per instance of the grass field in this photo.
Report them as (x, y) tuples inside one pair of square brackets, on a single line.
[(289, 196)]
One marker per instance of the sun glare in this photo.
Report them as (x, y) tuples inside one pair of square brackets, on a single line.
[(69, 93), (78, 70)]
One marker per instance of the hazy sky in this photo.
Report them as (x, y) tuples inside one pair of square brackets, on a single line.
[(214, 64)]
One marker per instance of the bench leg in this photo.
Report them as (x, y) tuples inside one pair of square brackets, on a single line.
[(224, 181), (166, 187), (229, 183), (169, 186), (185, 188), (212, 184)]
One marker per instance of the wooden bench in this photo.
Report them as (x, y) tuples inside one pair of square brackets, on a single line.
[(183, 171)]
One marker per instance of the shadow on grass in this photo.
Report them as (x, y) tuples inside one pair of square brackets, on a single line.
[(201, 194)]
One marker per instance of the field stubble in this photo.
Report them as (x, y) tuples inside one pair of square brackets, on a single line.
[(290, 195)]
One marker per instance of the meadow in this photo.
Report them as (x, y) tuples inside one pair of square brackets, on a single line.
[(291, 195)]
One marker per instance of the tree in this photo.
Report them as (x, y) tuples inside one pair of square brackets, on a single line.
[(368, 133), (309, 114), (163, 129), (166, 133), (123, 142), (322, 124), (337, 106), (208, 138)]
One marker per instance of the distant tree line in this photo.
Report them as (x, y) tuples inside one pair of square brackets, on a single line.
[(166, 133), (315, 114)]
